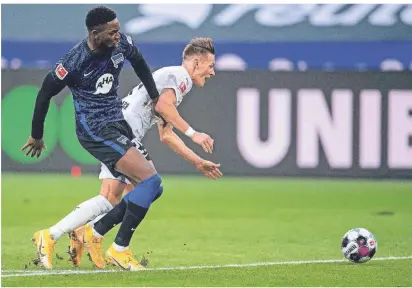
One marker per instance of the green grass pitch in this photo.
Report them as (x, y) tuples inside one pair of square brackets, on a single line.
[(200, 222)]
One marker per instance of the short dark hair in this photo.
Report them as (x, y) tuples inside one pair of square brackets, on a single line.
[(98, 16), (199, 46)]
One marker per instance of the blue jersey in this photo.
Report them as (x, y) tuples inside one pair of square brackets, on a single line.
[(93, 80)]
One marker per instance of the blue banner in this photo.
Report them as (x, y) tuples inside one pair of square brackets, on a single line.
[(294, 56)]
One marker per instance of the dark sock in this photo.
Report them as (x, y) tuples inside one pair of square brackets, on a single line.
[(145, 191), (111, 219), (134, 215), (138, 203), (116, 215)]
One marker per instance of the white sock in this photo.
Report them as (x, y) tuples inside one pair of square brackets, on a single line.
[(83, 213), (119, 248)]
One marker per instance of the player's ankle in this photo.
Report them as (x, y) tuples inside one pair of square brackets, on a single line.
[(96, 234), (119, 248)]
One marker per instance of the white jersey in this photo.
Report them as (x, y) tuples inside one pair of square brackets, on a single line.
[(137, 106)]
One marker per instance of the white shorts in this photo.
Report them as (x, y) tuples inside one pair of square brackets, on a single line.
[(106, 174)]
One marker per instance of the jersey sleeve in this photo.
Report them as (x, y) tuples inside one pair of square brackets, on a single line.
[(128, 46), (55, 81), (178, 83), (49, 88), (63, 70), (139, 64)]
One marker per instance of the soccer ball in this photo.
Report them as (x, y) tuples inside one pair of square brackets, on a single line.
[(359, 245)]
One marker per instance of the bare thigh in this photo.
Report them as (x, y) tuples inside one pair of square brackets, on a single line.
[(130, 187), (135, 166)]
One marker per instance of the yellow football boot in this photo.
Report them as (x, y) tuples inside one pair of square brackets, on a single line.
[(93, 246), (123, 259), (45, 246), (76, 247)]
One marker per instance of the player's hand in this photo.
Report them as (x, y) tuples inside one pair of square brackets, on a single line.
[(204, 140), (209, 169), (35, 146)]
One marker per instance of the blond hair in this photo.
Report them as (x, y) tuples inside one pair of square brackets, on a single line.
[(199, 46)]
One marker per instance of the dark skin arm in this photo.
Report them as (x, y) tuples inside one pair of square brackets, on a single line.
[(35, 143)]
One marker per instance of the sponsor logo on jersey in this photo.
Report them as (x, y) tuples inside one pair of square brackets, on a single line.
[(104, 84), (61, 72), (117, 59), (182, 87)]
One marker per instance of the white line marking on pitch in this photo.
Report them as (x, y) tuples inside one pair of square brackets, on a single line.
[(27, 273)]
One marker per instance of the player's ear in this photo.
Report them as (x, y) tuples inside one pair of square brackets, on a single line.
[(95, 33)]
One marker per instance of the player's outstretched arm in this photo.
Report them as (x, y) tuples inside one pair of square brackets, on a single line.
[(166, 108), (167, 136), (49, 88)]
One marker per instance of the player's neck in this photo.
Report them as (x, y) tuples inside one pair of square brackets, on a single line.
[(91, 45), (94, 48), (189, 67)]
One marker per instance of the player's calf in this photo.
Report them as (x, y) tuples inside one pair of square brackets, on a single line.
[(112, 190), (116, 215)]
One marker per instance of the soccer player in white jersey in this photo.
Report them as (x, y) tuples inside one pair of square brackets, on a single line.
[(173, 83)]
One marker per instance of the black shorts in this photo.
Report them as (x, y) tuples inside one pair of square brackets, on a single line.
[(110, 144)]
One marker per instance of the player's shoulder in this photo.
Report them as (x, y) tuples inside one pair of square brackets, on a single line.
[(178, 72), (125, 41), (178, 77), (74, 58), (127, 38)]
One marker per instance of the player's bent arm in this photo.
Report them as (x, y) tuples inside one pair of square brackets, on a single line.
[(167, 109), (170, 138), (49, 88), (142, 70)]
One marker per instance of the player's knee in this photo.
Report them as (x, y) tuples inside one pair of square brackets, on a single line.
[(159, 193), (151, 172), (114, 198), (156, 182), (157, 179), (112, 191), (145, 191)]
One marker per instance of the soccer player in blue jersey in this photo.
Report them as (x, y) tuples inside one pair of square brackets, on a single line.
[(91, 71)]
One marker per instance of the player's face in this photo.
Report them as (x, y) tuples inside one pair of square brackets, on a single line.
[(108, 37), (204, 68)]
